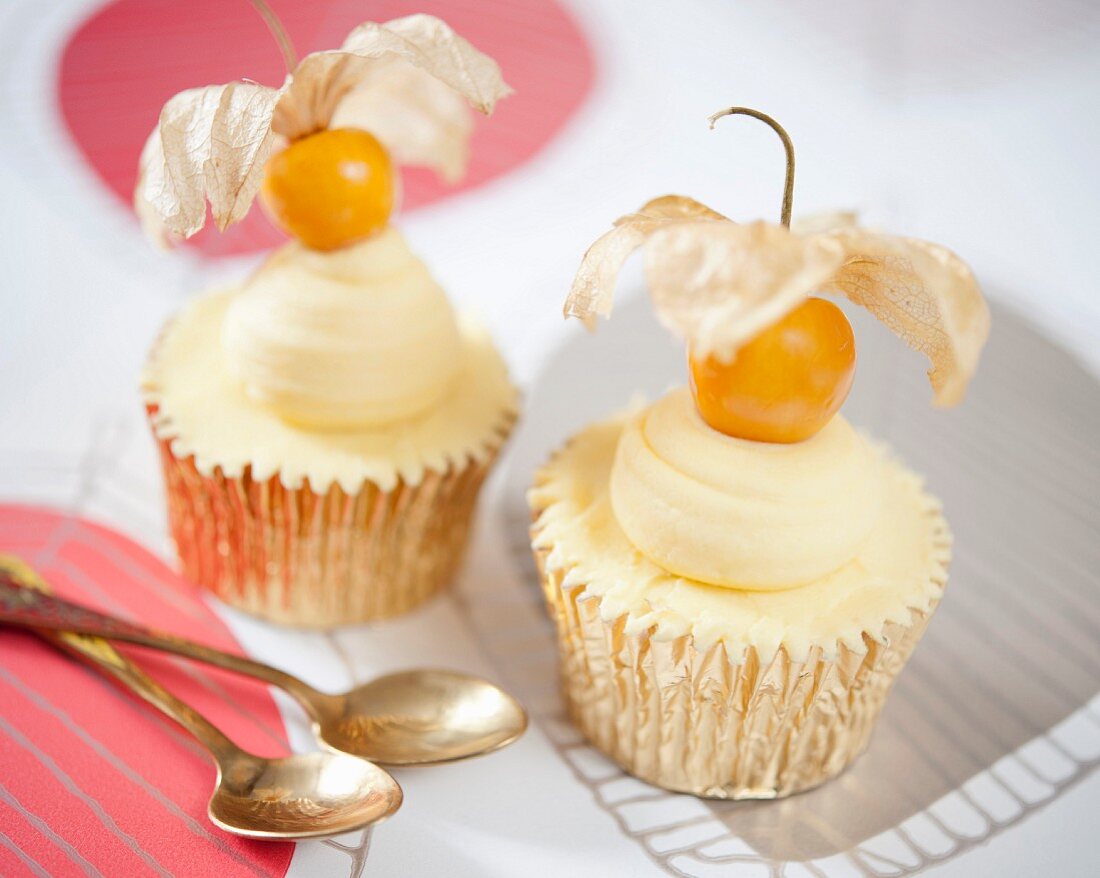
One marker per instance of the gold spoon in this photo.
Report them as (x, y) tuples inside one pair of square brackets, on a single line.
[(307, 795), (415, 717)]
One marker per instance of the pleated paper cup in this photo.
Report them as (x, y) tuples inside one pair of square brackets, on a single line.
[(319, 558), (704, 722)]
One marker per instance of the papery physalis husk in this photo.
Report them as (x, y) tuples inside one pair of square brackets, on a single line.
[(211, 143), (419, 119), (824, 221), (925, 294), (593, 286), (717, 284), (407, 81)]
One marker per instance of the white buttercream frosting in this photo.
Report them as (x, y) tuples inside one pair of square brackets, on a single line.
[(898, 567), (742, 514), (357, 337), (204, 410)]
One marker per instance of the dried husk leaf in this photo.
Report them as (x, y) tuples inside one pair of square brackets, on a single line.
[(925, 294), (409, 79), (210, 143), (593, 290), (717, 284), (420, 120), (322, 80), (824, 221), (151, 177)]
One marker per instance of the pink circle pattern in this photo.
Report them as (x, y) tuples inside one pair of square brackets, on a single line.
[(94, 781), (129, 56)]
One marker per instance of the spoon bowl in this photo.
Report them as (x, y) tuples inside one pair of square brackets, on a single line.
[(308, 795), (421, 717)]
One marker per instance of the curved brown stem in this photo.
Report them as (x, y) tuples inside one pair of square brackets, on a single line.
[(279, 32), (788, 147)]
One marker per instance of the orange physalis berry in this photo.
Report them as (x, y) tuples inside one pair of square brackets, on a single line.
[(331, 188), (785, 384)]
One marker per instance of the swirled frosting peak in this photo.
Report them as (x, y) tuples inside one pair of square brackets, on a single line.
[(358, 337), (741, 514)]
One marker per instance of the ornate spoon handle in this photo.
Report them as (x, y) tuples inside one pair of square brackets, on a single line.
[(25, 601)]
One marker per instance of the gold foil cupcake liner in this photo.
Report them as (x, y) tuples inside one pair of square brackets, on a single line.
[(299, 557), (715, 725)]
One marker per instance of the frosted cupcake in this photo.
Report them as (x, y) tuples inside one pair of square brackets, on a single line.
[(324, 427), (736, 574)]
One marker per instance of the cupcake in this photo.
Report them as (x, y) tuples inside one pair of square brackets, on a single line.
[(736, 574), (325, 426)]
